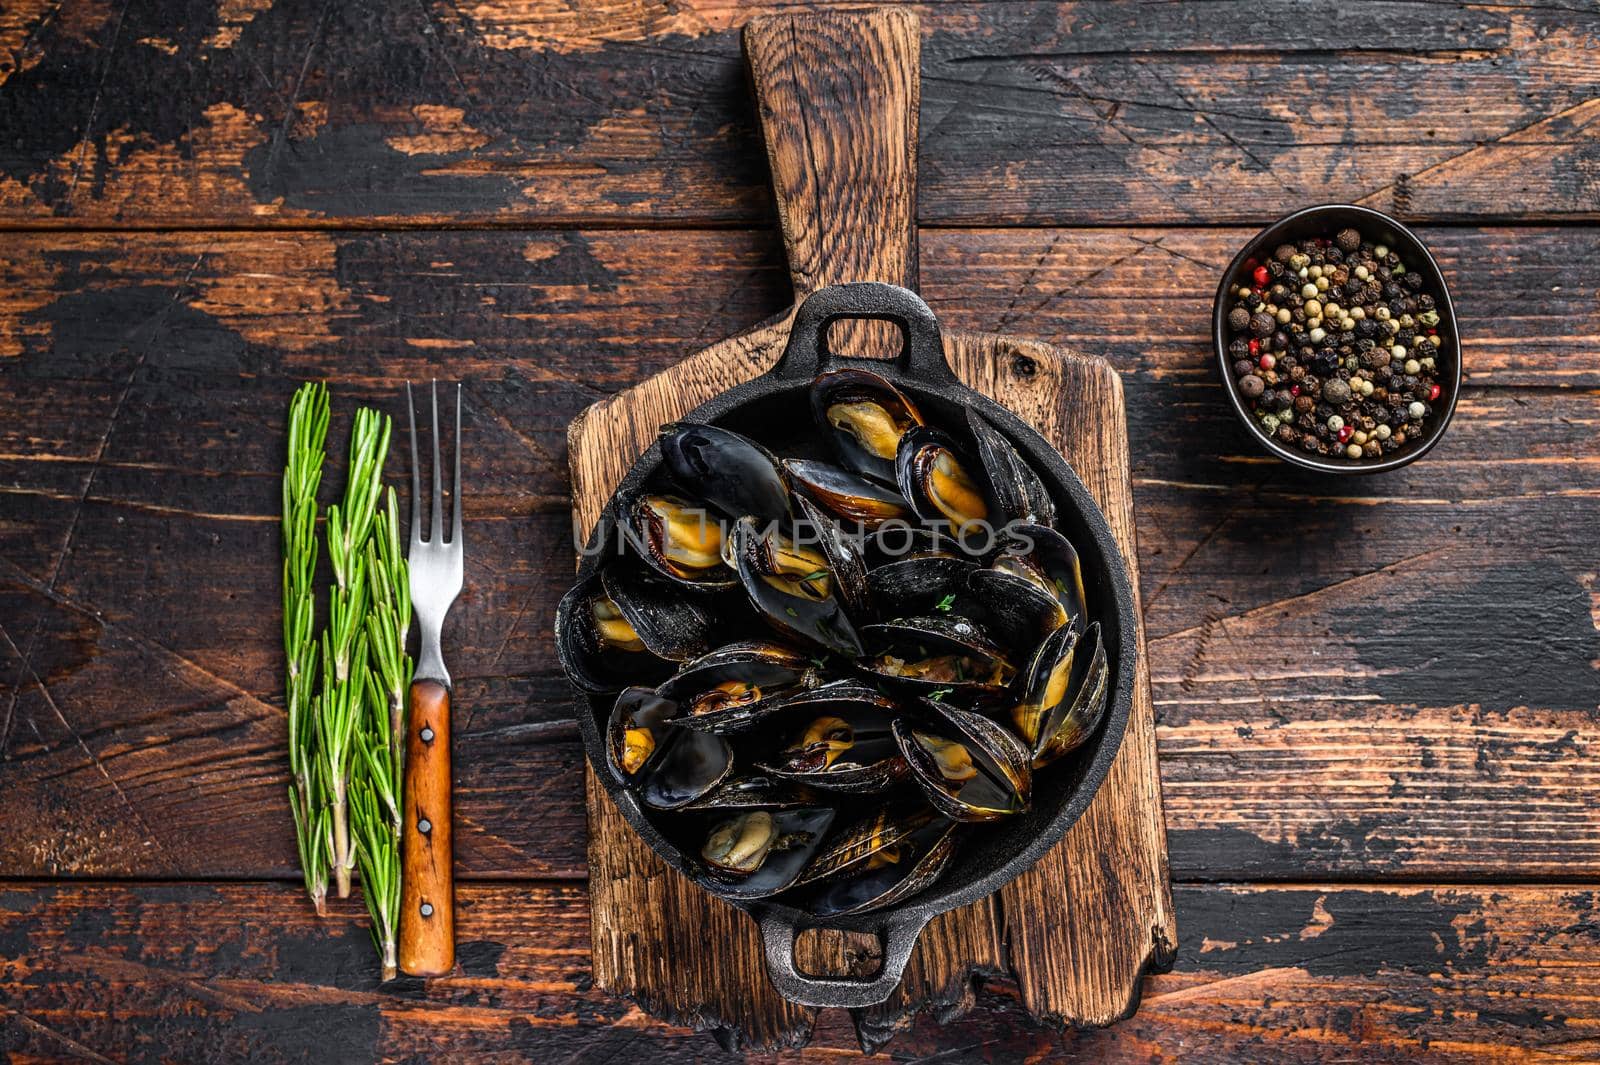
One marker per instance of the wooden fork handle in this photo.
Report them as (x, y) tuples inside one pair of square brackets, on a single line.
[(427, 891)]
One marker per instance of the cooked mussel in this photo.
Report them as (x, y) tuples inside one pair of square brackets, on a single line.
[(846, 566), (841, 740), (734, 687), (754, 791), (728, 471), (846, 494), (969, 767), (1018, 493), (1038, 570), (865, 416), (620, 627), (1062, 693), (791, 586), (941, 483), (919, 584), (757, 853), (679, 538), (884, 859), (668, 766), (936, 652)]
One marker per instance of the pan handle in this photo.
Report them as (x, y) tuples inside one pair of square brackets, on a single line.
[(921, 343), (898, 933)]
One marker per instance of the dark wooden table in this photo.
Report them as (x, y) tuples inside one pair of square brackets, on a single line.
[(1377, 698)]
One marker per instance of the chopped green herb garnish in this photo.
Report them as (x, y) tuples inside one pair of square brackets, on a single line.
[(944, 605), (938, 694)]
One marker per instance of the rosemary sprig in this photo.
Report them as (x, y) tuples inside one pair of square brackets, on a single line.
[(302, 474), (345, 648), (378, 854), (375, 795)]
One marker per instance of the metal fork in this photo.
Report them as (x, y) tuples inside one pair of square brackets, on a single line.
[(427, 893)]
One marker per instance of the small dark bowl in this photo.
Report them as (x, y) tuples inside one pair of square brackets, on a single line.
[(1377, 228)]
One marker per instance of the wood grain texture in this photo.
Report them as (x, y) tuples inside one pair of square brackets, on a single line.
[(209, 332), (839, 97), (1429, 974), (427, 893), (633, 112)]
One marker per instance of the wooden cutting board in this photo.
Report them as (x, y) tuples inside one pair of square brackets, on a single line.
[(838, 97)]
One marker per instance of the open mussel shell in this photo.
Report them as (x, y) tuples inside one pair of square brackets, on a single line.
[(1037, 569), (730, 472), (936, 652), (756, 853), (621, 627), (667, 766), (1063, 693), (845, 494), (754, 791), (969, 767), (792, 587), (849, 569), (879, 862), (734, 687), (839, 739), (942, 484), (865, 417), (678, 538), (1016, 488)]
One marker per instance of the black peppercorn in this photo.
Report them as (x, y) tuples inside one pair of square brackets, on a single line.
[(1284, 253), (1238, 318), (1242, 367), (1413, 280), (1348, 239)]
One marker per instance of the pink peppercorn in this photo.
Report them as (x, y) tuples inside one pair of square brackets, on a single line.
[(1433, 393), (1268, 361)]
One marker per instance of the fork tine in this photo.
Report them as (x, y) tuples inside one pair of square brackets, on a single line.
[(416, 480), (436, 514), (455, 525)]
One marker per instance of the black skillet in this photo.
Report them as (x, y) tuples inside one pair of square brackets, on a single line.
[(774, 409)]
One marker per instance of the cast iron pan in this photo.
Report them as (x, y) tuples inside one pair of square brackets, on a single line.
[(774, 408)]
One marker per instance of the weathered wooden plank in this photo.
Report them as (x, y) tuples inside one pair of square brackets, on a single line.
[(629, 303), (139, 456), (536, 111), (245, 972)]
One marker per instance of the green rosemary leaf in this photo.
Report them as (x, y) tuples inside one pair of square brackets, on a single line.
[(302, 475)]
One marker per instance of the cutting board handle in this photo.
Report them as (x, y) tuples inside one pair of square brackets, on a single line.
[(838, 94)]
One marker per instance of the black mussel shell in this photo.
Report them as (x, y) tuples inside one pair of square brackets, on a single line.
[(920, 584), (865, 416), (733, 688), (936, 652), (668, 766), (845, 494), (843, 553), (969, 767), (896, 540), (731, 472), (1063, 693), (945, 486), (757, 853), (792, 588), (873, 885), (840, 739), (599, 648), (877, 838), (754, 791), (1038, 570), (1018, 492), (678, 538)]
